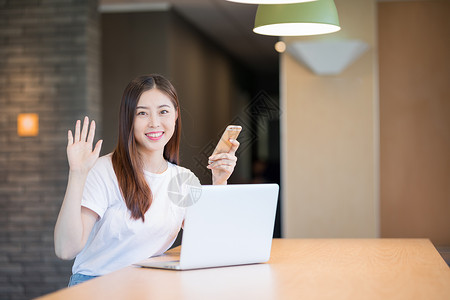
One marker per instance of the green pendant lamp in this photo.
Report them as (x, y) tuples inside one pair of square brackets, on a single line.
[(308, 18)]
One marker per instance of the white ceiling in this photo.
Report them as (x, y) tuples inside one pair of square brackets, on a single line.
[(228, 24)]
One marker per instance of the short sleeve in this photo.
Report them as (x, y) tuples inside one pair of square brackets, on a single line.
[(95, 194)]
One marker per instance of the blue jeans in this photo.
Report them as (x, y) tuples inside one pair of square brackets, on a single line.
[(78, 278)]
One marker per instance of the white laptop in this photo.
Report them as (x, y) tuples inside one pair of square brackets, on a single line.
[(228, 225)]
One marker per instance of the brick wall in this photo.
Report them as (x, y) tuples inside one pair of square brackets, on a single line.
[(49, 65)]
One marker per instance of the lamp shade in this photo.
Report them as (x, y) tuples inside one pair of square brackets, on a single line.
[(309, 18)]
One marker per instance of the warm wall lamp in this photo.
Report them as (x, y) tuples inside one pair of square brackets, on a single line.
[(298, 19), (28, 124)]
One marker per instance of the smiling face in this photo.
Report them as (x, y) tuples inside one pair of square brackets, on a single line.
[(154, 123)]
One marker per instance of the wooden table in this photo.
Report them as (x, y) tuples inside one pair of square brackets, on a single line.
[(298, 269)]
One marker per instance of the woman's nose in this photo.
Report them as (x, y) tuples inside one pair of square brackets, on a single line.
[(153, 121)]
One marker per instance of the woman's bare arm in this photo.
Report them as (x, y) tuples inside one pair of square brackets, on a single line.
[(75, 222)]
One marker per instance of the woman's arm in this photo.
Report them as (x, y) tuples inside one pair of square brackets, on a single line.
[(223, 164), (75, 222)]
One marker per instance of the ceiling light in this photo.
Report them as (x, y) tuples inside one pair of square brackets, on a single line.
[(309, 18)]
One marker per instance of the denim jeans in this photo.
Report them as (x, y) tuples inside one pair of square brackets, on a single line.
[(78, 278)]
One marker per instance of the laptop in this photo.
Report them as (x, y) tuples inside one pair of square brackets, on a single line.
[(228, 225)]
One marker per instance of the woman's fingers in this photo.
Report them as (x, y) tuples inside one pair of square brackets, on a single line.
[(225, 161), (98, 147), (77, 130), (91, 135), (220, 156), (230, 155), (224, 169), (85, 129), (69, 138), (81, 134), (80, 154), (234, 146), (222, 163)]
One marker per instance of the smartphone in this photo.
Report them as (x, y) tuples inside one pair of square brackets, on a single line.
[(224, 145)]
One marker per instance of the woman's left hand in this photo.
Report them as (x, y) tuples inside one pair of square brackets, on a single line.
[(223, 164)]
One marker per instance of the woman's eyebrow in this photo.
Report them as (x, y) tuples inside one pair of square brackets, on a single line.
[(146, 107)]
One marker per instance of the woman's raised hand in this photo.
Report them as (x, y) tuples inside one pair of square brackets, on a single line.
[(79, 147)]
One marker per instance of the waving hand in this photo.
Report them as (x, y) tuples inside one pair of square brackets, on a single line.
[(79, 147)]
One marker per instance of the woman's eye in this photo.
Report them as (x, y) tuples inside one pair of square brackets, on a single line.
[(141, 113), (164, 112)]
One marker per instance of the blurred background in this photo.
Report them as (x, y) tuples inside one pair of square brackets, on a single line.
[(363, 153)]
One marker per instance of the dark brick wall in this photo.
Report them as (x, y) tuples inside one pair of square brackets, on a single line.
[(49, 64)]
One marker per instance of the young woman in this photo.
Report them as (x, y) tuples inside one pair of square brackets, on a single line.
[(116, 210)]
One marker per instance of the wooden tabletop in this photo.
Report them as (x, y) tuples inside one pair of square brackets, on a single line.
[(298, 269)]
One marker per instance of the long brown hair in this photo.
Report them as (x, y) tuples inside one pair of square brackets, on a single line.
[(126, 160)]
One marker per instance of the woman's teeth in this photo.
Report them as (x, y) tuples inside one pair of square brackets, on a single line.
[(154, 135)]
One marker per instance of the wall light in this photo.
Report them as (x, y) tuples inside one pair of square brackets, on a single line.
[(28, 124), (299, 19)]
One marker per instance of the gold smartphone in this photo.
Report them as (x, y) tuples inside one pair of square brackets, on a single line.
[(224, 145)]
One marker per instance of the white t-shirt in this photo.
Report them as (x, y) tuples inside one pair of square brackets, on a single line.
[(117, 240)]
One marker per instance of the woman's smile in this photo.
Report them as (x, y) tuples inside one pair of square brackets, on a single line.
[(155, 135)]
